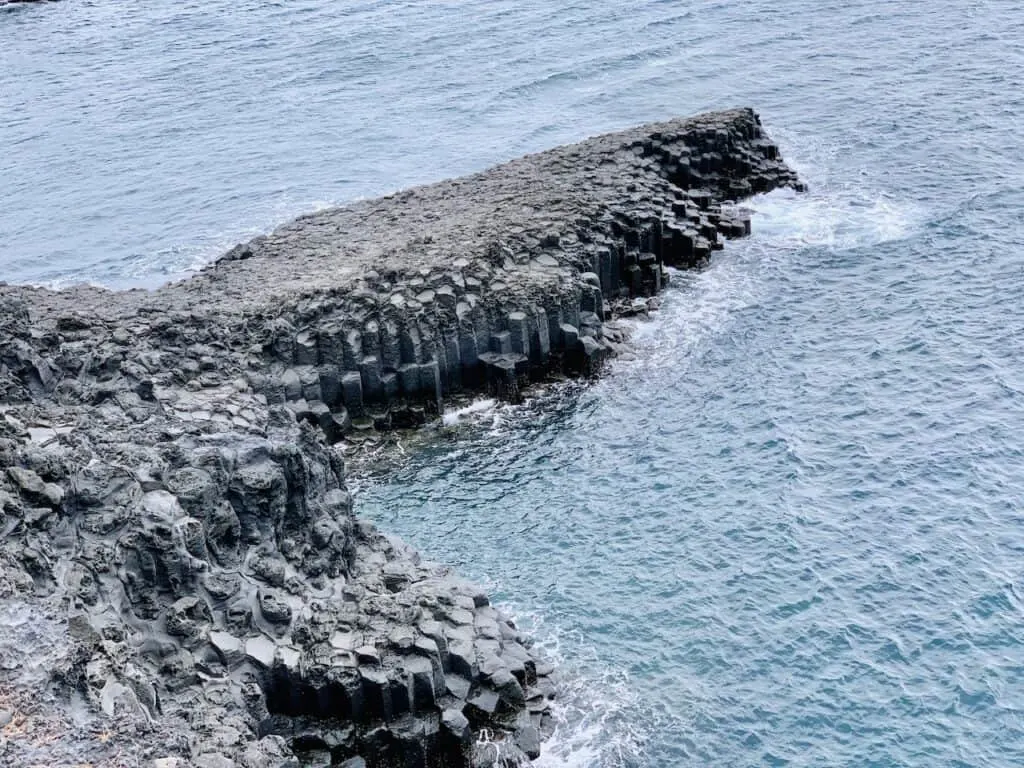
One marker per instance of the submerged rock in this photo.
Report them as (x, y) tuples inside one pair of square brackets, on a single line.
[(173, 508)]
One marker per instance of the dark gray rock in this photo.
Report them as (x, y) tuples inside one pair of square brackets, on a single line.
[(482, 706), (528, 739), (172, 485)]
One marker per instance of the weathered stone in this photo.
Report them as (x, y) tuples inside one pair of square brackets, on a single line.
[(228, 646), (457, 738), (421, 675), (345, 641), (274, 608), (457, 686), (519, 661), (329, 342), (570, 335), (409, 379), (187, 618), (214, 760), (508, 687), (172, 473), (430, 381), (292, 385), (482, 706), (401, 639), (352, 391), (528, 739), (540, 339), (501, 343), (427, 647), (352, 348), (519, 333), (376, 694), (435, 631), (462, 659), (260, 650), (306, 352), (368, 654), (27, 480), (370, 371)]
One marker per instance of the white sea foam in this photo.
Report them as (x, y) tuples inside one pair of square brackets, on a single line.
[(599, 723), (699, 306), (599, 717), (475, 411), (702, 306), (832, 219)]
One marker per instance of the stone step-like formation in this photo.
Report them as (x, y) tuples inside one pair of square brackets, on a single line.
[(172, 501), (533, 295)]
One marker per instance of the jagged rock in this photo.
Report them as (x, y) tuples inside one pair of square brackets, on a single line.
[(508, 688), (260, 650), (268, 752), (214, 760), (482, 707), (528, 739), (172, 486)]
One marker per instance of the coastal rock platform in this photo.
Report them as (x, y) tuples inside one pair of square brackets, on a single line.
[(179, 561)]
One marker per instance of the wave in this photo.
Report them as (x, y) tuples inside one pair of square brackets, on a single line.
[(600, 717), (472, 413), (834, 220)]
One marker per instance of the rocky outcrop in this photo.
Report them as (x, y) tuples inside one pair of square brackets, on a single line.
[(219, 578), (173, 496), (488, 282)]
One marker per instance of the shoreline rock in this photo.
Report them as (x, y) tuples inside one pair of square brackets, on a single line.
[(172, 495)]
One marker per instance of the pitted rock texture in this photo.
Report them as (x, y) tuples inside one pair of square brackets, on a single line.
[(220, 580), (172, 497), (369, 316)]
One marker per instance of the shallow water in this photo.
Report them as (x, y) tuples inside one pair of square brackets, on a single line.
[(790, 532)]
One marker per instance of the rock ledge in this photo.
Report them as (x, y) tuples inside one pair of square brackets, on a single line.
[(174, 521)]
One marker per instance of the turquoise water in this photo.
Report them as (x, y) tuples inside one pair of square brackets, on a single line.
[(791, 531)]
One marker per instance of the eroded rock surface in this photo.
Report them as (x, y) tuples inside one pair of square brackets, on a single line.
[(172, 497)]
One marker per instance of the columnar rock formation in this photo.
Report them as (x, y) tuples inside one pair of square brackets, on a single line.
[(173, 501)]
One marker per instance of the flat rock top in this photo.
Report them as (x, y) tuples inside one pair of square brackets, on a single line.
[(417, 229)]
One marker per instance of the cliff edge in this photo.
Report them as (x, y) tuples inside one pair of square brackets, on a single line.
[(181, 573)]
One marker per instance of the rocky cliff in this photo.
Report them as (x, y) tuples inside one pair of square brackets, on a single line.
[(179, 563)]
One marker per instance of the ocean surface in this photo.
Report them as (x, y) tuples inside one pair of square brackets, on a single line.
[(791, 532)]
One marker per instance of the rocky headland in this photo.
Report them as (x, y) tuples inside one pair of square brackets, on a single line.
[(182, 580)]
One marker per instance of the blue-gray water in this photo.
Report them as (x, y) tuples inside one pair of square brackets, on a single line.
[(791, 532)]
